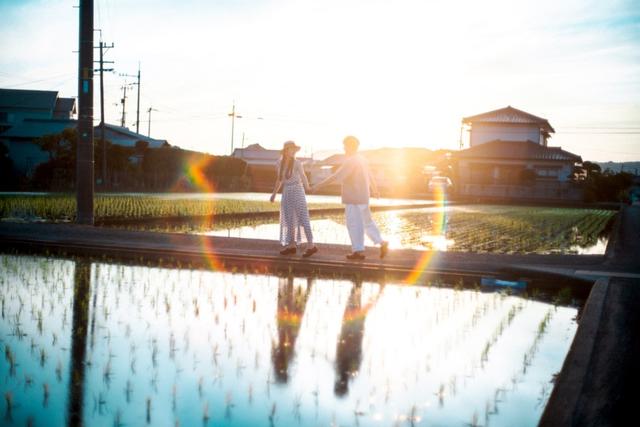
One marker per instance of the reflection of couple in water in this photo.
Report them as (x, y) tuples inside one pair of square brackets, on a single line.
[(357, 185)]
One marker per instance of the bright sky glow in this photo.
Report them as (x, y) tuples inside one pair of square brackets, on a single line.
[(394, 73)]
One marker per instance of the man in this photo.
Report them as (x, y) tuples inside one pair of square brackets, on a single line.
[(356, 179)]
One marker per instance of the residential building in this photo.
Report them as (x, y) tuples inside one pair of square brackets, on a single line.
[(261, 165), (507, 124), (509, 159), (26, 115)]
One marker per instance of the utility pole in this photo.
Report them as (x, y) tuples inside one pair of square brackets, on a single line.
[(149, 129), (233, 116), (84, 155), (103, 48), (138, 109), (123, 102)]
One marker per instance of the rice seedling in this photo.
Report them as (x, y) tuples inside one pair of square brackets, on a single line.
[(56, 207), (205, 413), (148, 410), (45, 394)]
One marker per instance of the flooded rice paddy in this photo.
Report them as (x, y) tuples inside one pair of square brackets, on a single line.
[(486, 228), (106, 344)]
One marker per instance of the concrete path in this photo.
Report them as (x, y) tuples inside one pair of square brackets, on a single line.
[(76, 239)]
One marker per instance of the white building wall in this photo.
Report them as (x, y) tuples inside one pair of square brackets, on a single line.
[(481, 133)]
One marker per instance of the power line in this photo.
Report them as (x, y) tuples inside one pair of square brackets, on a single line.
[(599, 133)]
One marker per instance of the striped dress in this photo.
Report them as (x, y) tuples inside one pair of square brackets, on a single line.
[(294, 214)]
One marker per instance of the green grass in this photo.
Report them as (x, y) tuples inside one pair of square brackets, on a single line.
[(63, 207)]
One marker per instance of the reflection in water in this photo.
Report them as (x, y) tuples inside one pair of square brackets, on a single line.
[(291, 303), (157, 346), (79, 330), (349, 347)]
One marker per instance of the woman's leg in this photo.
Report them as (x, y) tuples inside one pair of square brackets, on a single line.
[(304, 220), (287, 220)]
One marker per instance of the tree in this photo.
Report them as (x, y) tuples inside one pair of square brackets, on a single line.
[(9, 176)]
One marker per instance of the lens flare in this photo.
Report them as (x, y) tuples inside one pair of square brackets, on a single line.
[(196, 176), (439, 242)]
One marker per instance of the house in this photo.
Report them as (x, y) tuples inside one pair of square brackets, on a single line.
[(509, 159), (261, 165), (26, 115)]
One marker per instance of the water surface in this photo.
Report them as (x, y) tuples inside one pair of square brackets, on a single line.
[(106, 344)]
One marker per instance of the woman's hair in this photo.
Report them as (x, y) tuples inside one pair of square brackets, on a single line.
[(286, 166)]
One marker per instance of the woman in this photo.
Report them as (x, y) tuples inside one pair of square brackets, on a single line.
[(294, 213)]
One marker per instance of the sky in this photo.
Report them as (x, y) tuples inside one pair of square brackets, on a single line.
[(394, 73)]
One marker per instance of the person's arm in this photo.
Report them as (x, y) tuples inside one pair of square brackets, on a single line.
[(277, 185), (343, 171), (373, 184), (303, 177)]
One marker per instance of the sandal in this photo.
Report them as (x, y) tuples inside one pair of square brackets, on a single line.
[(356, 256), (310, 252), (288, 251)]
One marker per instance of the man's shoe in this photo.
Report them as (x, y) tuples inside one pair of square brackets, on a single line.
[(310, 252), (288, 251), (356, 256), (384, 249)]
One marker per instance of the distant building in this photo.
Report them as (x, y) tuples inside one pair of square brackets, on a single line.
[(507, 124), (321, 169), (509, 159), (26, 115), (261, 165)]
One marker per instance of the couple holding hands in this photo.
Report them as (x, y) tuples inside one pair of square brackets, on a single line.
[(356, 179)]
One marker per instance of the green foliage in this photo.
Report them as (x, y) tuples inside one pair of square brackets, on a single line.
[(139, 168), (10, 178), (607, 186)]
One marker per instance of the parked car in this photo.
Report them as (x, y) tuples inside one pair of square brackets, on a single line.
[(441, 183)]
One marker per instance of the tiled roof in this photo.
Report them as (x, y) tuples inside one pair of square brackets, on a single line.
[(28, 99), (65, 106), (509, 115), (125, 137), (257, 154), (520, 150)]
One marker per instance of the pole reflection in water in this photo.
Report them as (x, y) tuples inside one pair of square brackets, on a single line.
[(79, 331), (291, 303)]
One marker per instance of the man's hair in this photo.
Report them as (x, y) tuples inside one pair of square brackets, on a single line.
[(351, 141)]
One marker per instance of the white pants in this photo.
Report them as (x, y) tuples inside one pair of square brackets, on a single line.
[(359, 222)]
